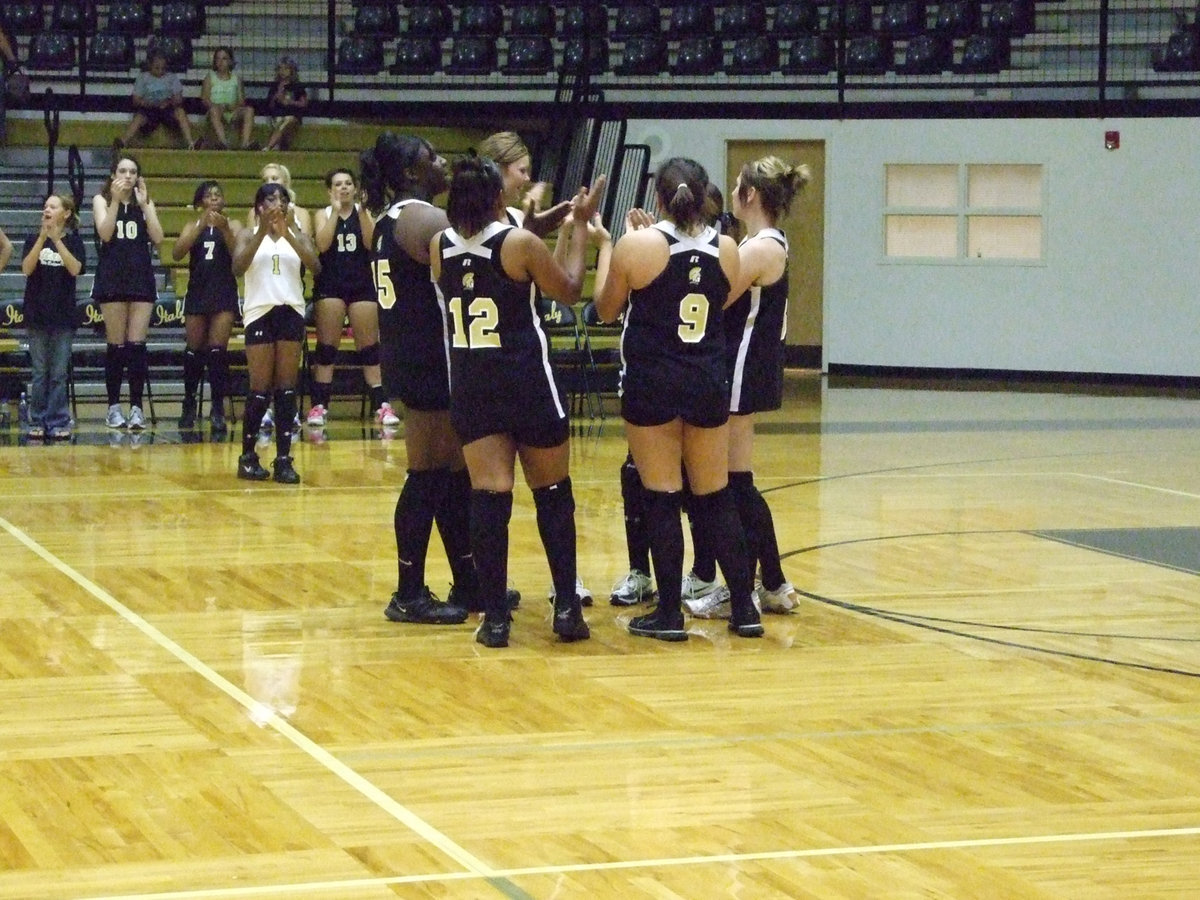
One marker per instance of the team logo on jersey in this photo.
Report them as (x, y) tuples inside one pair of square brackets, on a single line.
[(694, 275), (468, 281)]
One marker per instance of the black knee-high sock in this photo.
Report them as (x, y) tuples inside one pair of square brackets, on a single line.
[(114, 371), (453, 517), (375, 391), (490, 514), (413, 523), (704, 561), (138, 361), (633, 500), (252, 416), (761, 543), (664, 531), (322, 392), (555, 505), (717, 518), (193, 371), (285, 414), (218, 377)]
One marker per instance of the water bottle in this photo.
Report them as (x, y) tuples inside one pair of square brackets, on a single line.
[(23, 410)]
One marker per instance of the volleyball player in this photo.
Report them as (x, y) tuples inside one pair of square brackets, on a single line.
[(211, 302), (127, 226), (344, 235), (401, 176), (676, 277), (504, 401), (270, 257)]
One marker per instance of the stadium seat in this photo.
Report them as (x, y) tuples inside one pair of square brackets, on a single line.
[(110, 52), (796, 18), (645, 55), (958, 18), (377, 20), (637, 19), (856, 16), (52, 50), (529, 54), (694, 18), (927, 54), (597, 55), (22, 16), (430, 20), (130, 17), (903, 19), (360, 54), (743, 20), (811, 54), (182, 19), (73, 16), (868, 54), (984, 54), (754, 55), (584, 17), (177, 48), (1011, 17), (472, 54), (532, 18), (698, 55), (417, 56), (485, 19), (1180, 54)]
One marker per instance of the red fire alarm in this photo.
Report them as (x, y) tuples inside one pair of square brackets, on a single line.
[(1112, 140)]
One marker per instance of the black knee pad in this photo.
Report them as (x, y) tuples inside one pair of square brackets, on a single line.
[(324, 354), (369, 355)]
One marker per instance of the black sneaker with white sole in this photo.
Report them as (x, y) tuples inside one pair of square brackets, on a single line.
[(660, 624), (250, 469)]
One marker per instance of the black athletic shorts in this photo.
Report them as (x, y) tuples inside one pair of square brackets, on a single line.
[(281, 324)]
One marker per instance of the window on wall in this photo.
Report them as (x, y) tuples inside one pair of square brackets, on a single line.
[(964, 212)]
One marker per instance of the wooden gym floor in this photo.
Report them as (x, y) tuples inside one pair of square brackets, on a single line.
[(991, 689)]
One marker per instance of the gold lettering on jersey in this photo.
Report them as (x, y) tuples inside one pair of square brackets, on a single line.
[(91, 314), (12, 314)]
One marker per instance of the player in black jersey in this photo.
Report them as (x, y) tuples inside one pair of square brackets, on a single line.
[(676, 277), (126, 227), (344, 236), (211, 302), (755, 326), (401, 175), (504, 401)]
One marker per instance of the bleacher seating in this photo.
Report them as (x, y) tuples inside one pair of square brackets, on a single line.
[(632, 44)]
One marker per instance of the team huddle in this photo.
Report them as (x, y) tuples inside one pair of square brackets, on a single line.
[(444, 306)]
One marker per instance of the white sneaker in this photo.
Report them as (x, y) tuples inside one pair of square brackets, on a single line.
[(783, 599), (631, 590), (712, 605), (585, 596), (115, 418), (316, 416), (385, 415), (136, 420)]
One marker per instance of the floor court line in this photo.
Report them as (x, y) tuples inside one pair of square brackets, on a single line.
[(301, 741), (297, 890)]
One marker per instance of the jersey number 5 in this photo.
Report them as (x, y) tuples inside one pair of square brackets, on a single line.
[(482, 328), (385, 291), (693, 318)]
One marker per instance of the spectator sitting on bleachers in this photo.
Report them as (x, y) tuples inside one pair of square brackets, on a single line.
[(158, 100), (286, 102), (224, 98)]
